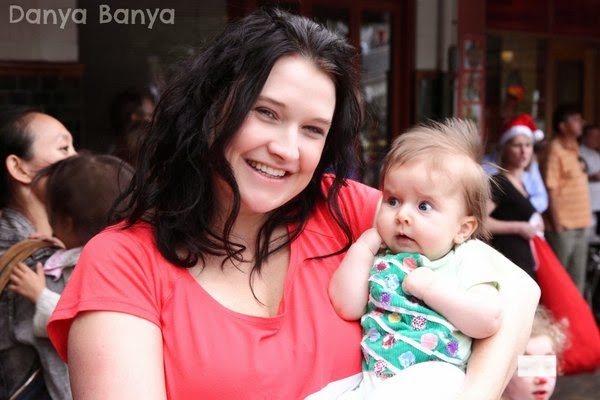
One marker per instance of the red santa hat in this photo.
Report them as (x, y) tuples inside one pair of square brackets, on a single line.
[(521, 125)]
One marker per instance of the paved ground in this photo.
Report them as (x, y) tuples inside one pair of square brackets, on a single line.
[(578, 387)]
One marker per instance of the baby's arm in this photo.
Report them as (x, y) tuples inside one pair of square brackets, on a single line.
[(44, 307), (349, 286), (475, 311), (32, 285)]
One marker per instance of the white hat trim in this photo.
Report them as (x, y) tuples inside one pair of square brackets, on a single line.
[(516, 131)]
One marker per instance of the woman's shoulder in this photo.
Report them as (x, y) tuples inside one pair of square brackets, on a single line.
[(499, 177), (128, 244), (14, 227), (355, 199), (140, 232), (350, 189), (499, 183)]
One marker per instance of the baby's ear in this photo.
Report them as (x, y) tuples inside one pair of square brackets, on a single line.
[(467, 227)]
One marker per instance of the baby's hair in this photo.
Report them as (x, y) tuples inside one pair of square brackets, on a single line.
[(545, 324), (84, 188), (433, 142)]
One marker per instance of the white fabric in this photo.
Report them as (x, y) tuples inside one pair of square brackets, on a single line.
[(591, 158), (516, 131), (432, 380)]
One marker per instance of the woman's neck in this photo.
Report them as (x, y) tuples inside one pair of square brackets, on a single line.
[(514, 173), (26, 203)]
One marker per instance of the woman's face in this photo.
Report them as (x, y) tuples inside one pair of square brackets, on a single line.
[(278, 146), (518, 152), (51, 142), (533, 387)]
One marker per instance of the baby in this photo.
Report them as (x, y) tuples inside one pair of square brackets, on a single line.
[(79, 193), (419, 280), (548, 339)]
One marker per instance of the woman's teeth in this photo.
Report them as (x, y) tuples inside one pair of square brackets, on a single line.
[(266, 169)]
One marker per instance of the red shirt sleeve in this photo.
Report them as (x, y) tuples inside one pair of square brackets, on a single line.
[(116, 280)]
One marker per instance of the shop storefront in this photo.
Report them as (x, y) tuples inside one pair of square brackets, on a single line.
[(549, 48)]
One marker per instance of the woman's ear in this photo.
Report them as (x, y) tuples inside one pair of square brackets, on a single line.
[(17, 170), (467, 227)]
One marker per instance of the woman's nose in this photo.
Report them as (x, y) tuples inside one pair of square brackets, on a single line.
[(285, 145)]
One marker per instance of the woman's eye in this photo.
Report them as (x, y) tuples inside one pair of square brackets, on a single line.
[(265, 112), (315, 129), (425, 206), (64, 149)]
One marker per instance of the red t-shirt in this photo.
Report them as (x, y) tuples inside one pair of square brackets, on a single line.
[(211, 352)]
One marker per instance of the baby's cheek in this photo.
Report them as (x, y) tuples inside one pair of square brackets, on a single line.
[(551, 384)]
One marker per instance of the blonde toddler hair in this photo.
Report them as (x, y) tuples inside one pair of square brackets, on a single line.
[(434, 143)]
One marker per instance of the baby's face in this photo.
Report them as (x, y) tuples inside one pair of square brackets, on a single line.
[(533, 387), (62, 229), (422, 211)]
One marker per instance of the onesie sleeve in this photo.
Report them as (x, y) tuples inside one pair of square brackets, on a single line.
[(44, 307), (477, 264)]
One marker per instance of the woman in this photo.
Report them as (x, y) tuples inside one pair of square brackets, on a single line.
[(231, 185), (513, 220), (29, 141)]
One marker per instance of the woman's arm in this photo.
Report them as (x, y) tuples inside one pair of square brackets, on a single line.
[(501, 227), (115, 356), (494, 359)]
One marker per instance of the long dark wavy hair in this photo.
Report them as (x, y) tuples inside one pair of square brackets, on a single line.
[(199, 114)]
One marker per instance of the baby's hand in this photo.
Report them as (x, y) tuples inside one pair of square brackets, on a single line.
[(26, 282), (50, 239), (418, 281), (371, 239)]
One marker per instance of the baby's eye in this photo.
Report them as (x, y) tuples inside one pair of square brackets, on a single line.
[(425, 206), (392, 201)]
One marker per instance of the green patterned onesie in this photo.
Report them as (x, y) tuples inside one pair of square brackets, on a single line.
[(400, 330)]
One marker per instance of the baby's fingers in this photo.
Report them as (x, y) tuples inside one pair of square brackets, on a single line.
[(19, 272)]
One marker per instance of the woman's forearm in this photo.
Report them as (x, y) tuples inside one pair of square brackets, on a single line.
[(494, 359)]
